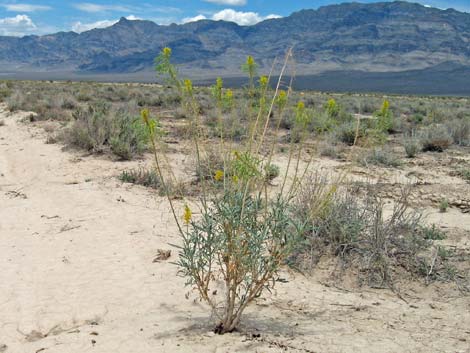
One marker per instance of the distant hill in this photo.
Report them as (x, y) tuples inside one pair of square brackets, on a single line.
[(386, 37)]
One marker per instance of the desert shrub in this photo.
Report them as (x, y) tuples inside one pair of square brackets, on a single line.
[(459, 130), (254, 248), (412, 147), (210, 162), (381, 157), (272, 171), (90, 129), (464, 173), (332, 149), (443, 205), (68, 103), (16, 101), (348, 132), (244, 233), (83, 96), (385, 121), (97, 127), (435, 139), (358, 233), (141, 176), (128, 136), (432, 232)]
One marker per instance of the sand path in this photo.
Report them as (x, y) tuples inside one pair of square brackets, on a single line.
[(76, 251)]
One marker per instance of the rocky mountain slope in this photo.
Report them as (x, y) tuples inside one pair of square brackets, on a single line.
[(379, 37)]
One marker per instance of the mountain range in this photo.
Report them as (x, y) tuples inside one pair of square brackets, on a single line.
[(377, 38)]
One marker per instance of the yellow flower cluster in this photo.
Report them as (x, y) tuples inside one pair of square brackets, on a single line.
[(187, 214), (219, 175)]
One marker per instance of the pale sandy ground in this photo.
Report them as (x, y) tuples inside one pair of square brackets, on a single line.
[(76, 251)]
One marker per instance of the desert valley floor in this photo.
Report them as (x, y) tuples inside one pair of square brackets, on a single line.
[(76, 256)]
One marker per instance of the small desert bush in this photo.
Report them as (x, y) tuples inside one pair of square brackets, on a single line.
[(232, 252), (464, 173), (141, 176), (435, 139), (412, 147), (459, 130), (360, 235), (348, 133), (380, 157), (98, 127)]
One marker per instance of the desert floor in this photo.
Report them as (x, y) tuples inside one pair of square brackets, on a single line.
[(77, 272)]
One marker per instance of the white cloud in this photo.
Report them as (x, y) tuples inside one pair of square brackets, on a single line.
[(26, 7), (194, 19), (90, 7), (228, 2), (240, 17), (19, 25), (80, 27)]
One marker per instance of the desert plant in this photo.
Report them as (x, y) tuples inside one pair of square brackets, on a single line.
[(382, 157), (141, 176), (435, 139), (128, 136), (411, 146), (243, 235), (357, 231), (432, 232), (459, 130), (443, 205), (385, 118)]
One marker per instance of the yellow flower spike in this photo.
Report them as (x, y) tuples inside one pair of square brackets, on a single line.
[(250, 61), (219, 83), (144, 114), (235, 179), (188, 84), (281, 99), (301, 106), (219, 175), (167, 51), (263, 81), (187, 214)]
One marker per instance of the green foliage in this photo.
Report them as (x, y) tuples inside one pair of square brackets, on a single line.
[(272, 171), (332, 108), (412, 147), (432, 232), (240, 243), (385, 118), (435, 138), (381, 157), (141, 176), (97, 127), (129, 136), (443, 205)]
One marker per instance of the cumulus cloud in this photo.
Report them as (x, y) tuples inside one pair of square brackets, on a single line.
[(80, 27), (26, 7), (194, 19), (240, 17), (93, 8), (19, 25), (228, 2)]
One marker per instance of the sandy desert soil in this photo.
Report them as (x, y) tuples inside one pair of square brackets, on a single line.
[(77, 272)]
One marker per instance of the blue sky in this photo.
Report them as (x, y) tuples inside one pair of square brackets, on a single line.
[(20, 18)]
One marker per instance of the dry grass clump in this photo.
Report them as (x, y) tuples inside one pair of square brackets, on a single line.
[(379, 244), (380, 157), (435, 139), (98, 127)]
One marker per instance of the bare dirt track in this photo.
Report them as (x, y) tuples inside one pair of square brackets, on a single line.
[(77, 274)]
